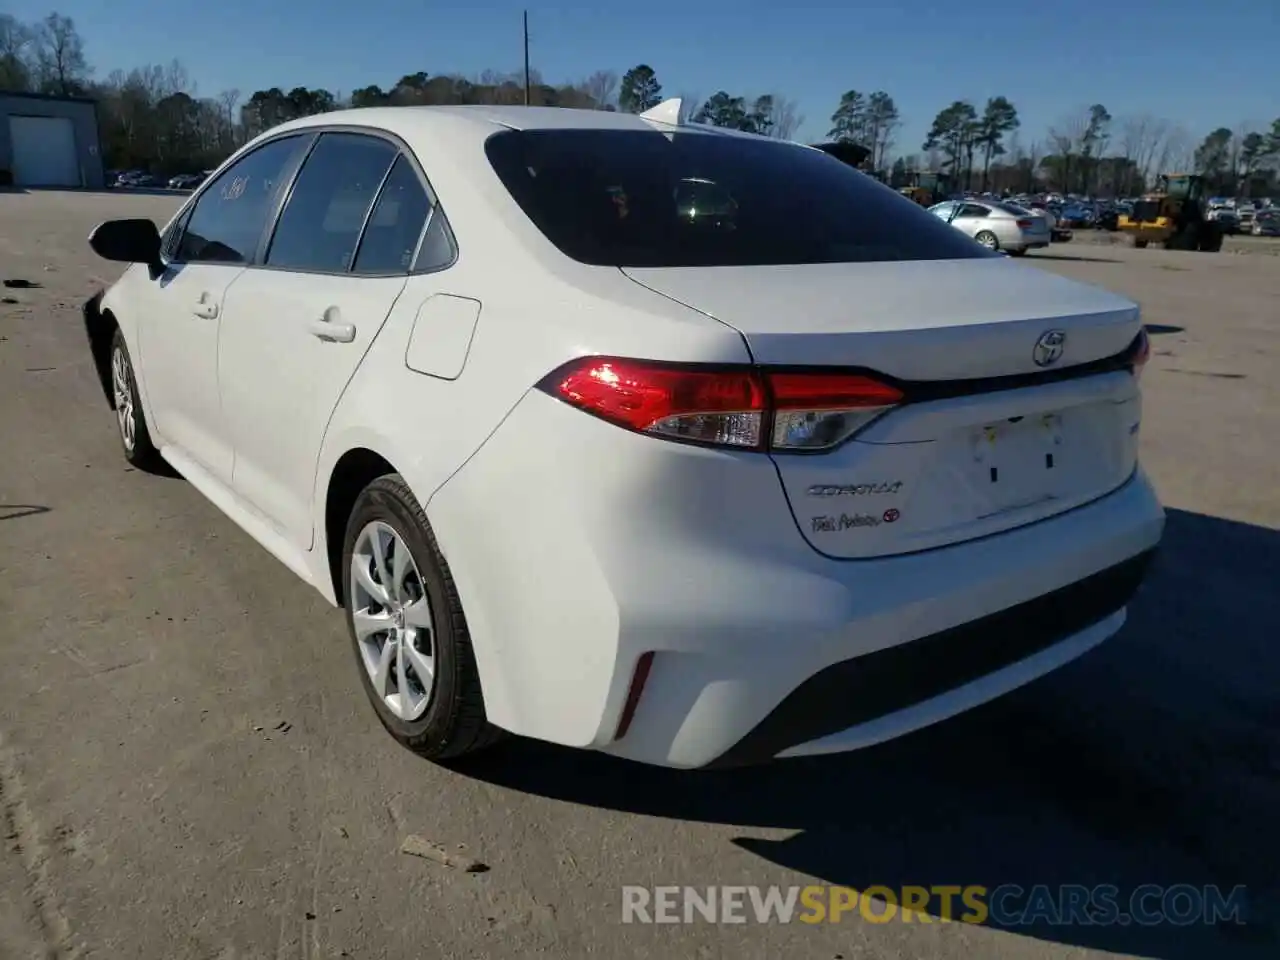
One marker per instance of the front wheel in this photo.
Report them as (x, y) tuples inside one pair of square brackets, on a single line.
[(407, 627), (135, 438)]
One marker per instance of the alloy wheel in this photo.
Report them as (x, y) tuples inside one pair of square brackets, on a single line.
[(391, 616), (122, 387)]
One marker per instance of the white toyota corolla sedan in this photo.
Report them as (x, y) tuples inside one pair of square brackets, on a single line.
[(683, 445)]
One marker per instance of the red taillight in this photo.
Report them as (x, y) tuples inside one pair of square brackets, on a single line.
[(1140, 352), (742, 407), (1026, 224)]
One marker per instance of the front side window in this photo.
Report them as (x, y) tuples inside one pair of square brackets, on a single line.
[(320, 226), (636, 198), (229, 216)]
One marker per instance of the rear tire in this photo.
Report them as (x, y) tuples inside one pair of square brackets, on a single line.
[(1139, 244), (131, 423), (987, 239), (1210, 239), (452, 721)]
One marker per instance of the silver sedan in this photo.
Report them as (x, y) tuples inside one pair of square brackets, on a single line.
[(996, 225)]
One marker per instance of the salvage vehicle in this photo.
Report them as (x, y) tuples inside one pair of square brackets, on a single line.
[(600, 437)]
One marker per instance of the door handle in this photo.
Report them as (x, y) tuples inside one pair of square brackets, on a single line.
[(331, 328), (205, 308)]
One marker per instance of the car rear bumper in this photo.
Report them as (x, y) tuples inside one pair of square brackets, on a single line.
[(612, 546)]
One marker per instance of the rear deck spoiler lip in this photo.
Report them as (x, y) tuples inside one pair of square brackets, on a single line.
[(845, 151)]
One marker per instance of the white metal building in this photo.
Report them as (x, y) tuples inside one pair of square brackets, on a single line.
[(48, 141)]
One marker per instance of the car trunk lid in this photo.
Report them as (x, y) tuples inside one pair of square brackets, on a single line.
[(995, 432)]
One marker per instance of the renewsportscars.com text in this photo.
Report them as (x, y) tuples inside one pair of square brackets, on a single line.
[(1008, 905)]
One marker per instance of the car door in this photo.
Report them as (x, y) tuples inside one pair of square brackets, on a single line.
[(298, 326), (944, 210), (204, 253), (970, 218)]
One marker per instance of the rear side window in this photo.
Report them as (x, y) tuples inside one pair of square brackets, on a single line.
[(228, 219), (651, 199), (396, 223), (321, 223)]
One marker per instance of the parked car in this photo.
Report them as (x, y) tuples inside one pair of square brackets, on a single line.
[(1077, 215), (1266, 223), (600, 438), (137, 178), (1225, 217), (996, 225), (186, 181)]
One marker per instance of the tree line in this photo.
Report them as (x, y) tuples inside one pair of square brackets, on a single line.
[(152, 118)]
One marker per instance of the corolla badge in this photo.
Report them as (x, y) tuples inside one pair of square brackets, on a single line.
[(1049, 347)]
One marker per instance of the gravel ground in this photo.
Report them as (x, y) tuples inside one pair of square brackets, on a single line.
[(188, 769)]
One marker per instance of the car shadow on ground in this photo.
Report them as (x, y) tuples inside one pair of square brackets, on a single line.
[(1158, 328), (16, 511), (1152, 760)]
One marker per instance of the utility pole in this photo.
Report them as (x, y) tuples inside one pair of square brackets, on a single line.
[(526, 58)]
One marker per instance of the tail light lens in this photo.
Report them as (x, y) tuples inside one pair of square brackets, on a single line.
[(741, 407), (1026, 224), (813, 411), (1139, 352)]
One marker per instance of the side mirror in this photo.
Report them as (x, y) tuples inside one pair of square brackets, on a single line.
[(127, 241)]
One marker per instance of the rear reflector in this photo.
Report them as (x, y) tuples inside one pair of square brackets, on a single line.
[(744, 407), (1139, 352), (634, 692)]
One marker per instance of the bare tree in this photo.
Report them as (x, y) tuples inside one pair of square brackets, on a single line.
[(602, 87), (60, 56), (177, 80), (690, 104), (1066, 140), (1035, 157), (784, 117), (227, 102), (1177, 153), (1143, 140)]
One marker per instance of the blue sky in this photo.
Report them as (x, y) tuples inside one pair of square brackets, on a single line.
[(1200, 65)]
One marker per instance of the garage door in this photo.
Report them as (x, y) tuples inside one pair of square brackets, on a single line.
[(44, 152)]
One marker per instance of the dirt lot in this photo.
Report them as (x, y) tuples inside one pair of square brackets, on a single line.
[(188, 769)]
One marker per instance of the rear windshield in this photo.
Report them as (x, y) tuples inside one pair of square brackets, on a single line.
[(1014, 209), (648, 199)]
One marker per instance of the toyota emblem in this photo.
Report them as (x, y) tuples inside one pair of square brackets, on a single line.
[(1049, 347)]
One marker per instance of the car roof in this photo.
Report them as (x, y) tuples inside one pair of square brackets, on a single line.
[(482, 120)]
